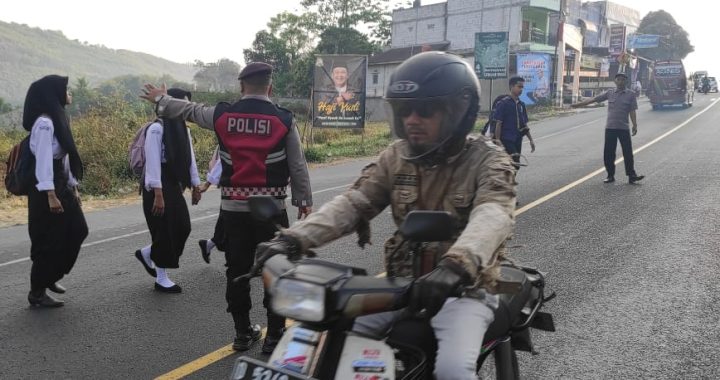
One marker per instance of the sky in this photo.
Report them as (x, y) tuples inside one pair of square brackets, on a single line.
[(213, 29)]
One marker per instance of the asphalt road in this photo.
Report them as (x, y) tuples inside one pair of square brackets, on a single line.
[(635, 268)]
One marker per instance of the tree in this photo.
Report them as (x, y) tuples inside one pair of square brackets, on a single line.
[(674, 42), (297, 32), (346, 14), (269, 49), (382, 33), (220, 76), (344, 41), (84, 97)]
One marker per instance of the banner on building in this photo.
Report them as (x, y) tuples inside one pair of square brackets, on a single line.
[(572, 36), (339, 91), (491, 55), (643, 41), (617, 40), (536, 69), (605, 68), (590, 61)]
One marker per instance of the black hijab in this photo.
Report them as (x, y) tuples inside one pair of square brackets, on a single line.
[(48, 95), (177, 142)]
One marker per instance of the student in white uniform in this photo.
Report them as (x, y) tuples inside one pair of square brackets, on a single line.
[(56, 222), (218, 238), (170, 168)]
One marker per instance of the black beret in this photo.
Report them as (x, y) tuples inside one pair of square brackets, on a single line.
[(621, 74), (255, 68)]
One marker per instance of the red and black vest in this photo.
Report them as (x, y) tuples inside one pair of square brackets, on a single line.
[(252, 137)]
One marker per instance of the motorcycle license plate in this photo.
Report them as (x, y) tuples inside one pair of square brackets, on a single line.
[(251, 369)]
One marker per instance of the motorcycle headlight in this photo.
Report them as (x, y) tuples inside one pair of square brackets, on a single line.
[(299, 300)]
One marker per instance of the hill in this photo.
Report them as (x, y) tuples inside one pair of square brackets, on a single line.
[(29, 53)]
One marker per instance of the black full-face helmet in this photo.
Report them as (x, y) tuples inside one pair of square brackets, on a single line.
[(432, 81)]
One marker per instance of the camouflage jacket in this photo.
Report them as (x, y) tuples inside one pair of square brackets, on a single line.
[(477, 186)]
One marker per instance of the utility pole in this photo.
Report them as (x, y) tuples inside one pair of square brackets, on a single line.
[(560, 56)]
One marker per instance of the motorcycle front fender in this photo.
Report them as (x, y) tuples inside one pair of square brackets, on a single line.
[(365, 358)]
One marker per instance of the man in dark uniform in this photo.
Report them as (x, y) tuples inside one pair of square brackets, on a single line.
[(622, 103), (511, 121), (260, 151)]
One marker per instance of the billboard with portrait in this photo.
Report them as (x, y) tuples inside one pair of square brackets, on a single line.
[(339, 91), (535, 68)]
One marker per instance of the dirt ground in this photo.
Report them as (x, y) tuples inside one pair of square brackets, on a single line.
[(13, 210)]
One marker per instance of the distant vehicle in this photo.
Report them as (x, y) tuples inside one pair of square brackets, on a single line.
[(697, 76), (713, 84), (668, 85)]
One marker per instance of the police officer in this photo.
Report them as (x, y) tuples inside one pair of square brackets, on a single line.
[(434, 166), (622, 104), (260, 151)]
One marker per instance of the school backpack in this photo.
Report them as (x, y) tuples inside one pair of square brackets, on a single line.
[(488, 129), (20, 168), (136, 151)]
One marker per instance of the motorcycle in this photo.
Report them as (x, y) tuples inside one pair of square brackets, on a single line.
[(705, 88), (324, 298)]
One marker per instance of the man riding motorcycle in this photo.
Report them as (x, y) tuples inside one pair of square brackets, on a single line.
[(705, 86), (434, 98)]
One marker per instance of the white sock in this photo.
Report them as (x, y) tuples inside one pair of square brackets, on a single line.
[(145, 252), (162, 278), (210, 245)]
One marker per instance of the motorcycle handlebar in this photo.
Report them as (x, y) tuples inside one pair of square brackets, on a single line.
[(256, 270)]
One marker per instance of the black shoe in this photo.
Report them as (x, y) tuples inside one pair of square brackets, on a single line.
[(609, 179), (57, 288), (243, 341), (43, 300), (173, 289), (151, 271), (204, 251), (271, 341), (635, 178)]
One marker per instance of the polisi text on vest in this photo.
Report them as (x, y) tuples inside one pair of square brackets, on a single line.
[(249, 126)]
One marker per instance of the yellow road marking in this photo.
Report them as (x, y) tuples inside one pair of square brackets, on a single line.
[(226, 351)]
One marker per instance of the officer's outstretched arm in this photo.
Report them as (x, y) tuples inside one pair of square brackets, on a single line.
[(197, 113)]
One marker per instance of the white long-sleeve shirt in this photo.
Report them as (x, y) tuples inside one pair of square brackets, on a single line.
[(215, 173), (155, 156), (46, 148)]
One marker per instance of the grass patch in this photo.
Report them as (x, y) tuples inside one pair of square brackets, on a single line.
[(326, 145), (103, 138)]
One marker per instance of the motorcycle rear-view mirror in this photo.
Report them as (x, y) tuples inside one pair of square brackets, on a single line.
[(264, 207), (425, 226)]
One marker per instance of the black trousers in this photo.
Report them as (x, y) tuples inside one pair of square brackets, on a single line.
[(55, 238), (219, 234), (170, 230), (243, 234), (611, 138), (514, 148)]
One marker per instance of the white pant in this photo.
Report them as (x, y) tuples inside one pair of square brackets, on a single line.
[(459, 327)]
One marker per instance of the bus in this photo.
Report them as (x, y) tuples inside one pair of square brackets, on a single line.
[(669, 85), (697, 78)]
